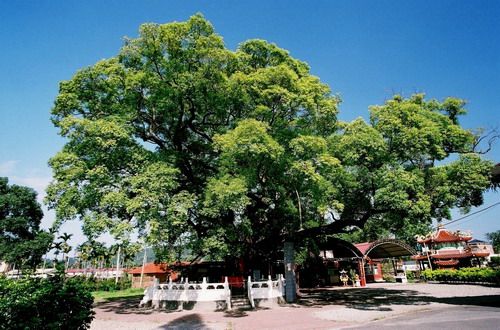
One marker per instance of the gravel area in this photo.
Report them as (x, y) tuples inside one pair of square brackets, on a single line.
[(330, 308)]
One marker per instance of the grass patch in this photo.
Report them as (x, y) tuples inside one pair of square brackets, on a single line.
[(100, 296)]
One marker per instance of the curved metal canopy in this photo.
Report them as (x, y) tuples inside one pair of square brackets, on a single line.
[(386, 248), (340, 248)]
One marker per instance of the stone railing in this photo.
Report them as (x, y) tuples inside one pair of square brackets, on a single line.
[(186, 292), (266, 290)]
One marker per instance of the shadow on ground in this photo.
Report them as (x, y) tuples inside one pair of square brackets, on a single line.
[(242, 312), (381, 299), (191, 321), (129, 305), (376, 299)]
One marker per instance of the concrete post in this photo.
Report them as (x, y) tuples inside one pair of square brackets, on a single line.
[(269, 287), (290, 285), (155, 294), (250, 296)]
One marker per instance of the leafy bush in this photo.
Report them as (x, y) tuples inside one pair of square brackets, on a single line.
[(494, 262), (410, 275), (54, 303), (472, 275), (389, 278), (109, 284)]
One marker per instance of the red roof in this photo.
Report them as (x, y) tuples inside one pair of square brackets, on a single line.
[(443, 235), (450, 255), (158, 268), (363, 247), (451, 262), (151, 268), (481, 254)]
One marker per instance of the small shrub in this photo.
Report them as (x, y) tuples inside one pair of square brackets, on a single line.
[(494, 262), (53, 303), (111, 285), (427, 275), (410, 275), (472, 275), (389, 278), (108, 284)]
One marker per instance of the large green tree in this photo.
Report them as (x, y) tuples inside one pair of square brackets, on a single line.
[(494, 238), (22, 242), (227, 152)]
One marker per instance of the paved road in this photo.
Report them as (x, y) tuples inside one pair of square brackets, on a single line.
[(453, 318), (393, 306)]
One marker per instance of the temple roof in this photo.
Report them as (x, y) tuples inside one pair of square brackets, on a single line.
[(151, 268), (480, 254), (443, 235), (478, 241), (452, 254), (451, 262)]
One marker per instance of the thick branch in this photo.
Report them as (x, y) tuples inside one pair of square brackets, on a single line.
[(489, 139)]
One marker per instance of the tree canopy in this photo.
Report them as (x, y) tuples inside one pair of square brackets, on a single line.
[(227, 152), (494, 238), (22, 242)]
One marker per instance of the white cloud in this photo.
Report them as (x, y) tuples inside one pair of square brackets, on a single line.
[(39, 180), (32, 178), (8, 167), (39, 183)]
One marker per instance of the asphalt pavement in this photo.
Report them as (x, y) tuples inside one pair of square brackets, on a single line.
[(377, 306), (452, 318)]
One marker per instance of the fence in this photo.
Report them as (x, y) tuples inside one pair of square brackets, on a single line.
[(268, 290), (187, 292), (184, 291)]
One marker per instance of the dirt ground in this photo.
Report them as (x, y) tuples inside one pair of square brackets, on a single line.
[(327, 308)]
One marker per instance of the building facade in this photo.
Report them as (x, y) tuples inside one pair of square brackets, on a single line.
[(449, 249)]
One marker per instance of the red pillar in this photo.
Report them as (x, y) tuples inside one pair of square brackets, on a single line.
[(362, 275)]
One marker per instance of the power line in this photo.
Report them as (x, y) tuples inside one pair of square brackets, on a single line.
[(468, 220), (473, 213)]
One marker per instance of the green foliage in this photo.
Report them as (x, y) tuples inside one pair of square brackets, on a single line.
[(494, 237), (111, 295), (352, 276), (219, 152), (54, 303), (410, 275), (22, 242), (494, 262), (401, 175), (109, 284), (472, 275), (389, 278), (372, 231)]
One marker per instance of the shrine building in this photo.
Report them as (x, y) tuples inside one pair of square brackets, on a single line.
[(448, 249)]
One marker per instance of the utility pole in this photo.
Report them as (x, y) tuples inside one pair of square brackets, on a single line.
[(43, 266), (300, 208), (144, 259), (118, 264), (428, 258)]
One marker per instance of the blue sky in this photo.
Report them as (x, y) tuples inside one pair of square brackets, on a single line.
[(365, 50)]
